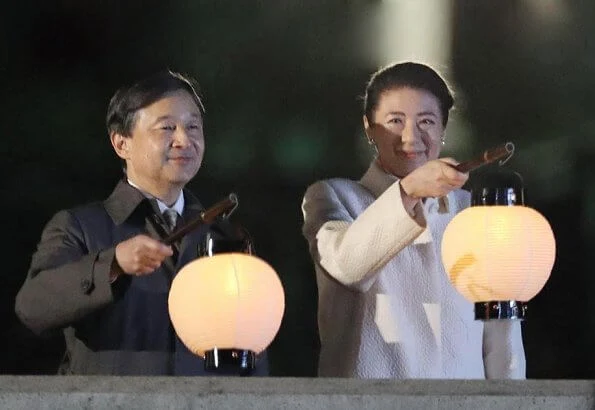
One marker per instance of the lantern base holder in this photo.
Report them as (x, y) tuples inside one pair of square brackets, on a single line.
[(501, 309), (230, 361)]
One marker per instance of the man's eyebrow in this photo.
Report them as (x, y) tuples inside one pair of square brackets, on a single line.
[(161, 118), (167, 117)]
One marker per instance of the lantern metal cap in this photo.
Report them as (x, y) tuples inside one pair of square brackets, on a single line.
[(230, 361), (498, 196), (501, 188), (501, 309)]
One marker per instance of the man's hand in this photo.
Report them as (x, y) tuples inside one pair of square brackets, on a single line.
[(141, 255), (435, 178)]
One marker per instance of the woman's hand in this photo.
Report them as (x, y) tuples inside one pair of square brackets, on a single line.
[(435, 178)]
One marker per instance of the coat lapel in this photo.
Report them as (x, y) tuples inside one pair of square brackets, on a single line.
[(156, 229), (189, 243)]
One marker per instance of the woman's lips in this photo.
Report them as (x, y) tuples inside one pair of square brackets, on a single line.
[(411, 155)]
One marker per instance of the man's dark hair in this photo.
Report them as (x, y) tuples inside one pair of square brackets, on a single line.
[(122, 109), (408, 74)]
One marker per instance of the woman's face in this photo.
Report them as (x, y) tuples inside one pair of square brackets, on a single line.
[(407, 129)]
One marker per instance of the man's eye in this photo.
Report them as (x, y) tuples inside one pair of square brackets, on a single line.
[(168, 127), (395, 121), (193, 126)]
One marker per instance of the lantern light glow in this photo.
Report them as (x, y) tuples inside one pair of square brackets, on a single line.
[(494, 253), (226, 301)]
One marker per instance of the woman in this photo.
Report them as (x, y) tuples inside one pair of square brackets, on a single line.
[(386, 308)]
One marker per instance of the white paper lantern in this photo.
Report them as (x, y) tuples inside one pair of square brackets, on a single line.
[(498, 253), (226, 301)]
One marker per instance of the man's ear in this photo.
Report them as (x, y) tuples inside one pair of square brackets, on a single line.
[(121, 145)]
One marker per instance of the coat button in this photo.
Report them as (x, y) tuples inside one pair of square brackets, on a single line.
[(87, 286)]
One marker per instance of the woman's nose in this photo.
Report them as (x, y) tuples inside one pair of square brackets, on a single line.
[(410, 133)]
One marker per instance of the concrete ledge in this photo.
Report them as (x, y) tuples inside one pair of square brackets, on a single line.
[(100, 392)]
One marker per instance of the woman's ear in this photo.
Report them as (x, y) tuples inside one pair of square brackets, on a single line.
[(121, 145), (366, 123), (367, 130)]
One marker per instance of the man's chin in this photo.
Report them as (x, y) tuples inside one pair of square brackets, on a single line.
[(181, 179)]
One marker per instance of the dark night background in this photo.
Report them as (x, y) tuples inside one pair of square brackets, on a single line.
[(281, 81)]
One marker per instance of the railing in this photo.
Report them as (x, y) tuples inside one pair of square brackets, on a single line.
[(101, 392)]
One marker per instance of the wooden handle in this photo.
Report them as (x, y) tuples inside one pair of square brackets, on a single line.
[(491, 155), (205, 217)]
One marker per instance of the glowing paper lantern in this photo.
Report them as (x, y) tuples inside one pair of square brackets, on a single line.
[(499, 253), (227, 307)]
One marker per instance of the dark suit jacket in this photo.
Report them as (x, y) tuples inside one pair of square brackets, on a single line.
[(119, 328)]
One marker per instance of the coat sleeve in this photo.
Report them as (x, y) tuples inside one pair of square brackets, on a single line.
[(353, 250), (65, 282), (503, 351)]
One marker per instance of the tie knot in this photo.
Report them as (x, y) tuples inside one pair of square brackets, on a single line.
[(171, 217)]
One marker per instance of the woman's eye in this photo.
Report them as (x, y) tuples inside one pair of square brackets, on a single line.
[(193, 126), (426, 123), (395, 121), (168, 127)]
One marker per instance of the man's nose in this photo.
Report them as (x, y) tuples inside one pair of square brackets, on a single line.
[(181, 138)]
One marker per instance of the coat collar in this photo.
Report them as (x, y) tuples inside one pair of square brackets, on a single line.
[(377, 181), (125, 199)]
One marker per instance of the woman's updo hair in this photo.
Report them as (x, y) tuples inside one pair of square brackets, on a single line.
[(411, 75)]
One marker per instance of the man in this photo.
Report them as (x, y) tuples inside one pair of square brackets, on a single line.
[(101, 271)]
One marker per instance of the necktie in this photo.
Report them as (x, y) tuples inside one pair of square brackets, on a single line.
[(171, 217)]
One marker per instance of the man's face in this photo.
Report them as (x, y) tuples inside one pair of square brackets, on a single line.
[(166, 146)]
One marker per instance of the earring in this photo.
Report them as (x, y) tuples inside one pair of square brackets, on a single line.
[(373, 143), (442, 141)]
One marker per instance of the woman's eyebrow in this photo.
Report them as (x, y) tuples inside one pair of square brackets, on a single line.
[(427, 113)]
